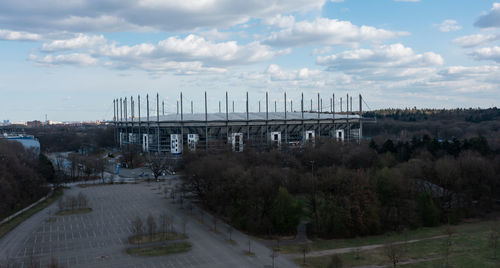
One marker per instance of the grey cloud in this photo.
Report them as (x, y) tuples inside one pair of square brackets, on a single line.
[(115, 15), (490, 19)]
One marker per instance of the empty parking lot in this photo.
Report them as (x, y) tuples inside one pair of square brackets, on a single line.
[(99, 238)]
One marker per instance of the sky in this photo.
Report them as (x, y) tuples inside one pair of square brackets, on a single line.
[(70, 59)]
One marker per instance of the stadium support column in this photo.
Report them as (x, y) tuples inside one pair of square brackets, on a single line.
[(227, 116), (248, 123), (333, 114), (302, 113), (162, 107), (206, 124), (125, 113), (147, 114), (139, 114), (319, 114), (182, 122), (158, 122), (360, 118), (347, 118), (132, 114), (286, 126), (121, 109), (267, 117), (114, 118)]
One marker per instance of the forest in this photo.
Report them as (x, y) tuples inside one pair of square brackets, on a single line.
[(71, 138), (348, 190), (23, 177)]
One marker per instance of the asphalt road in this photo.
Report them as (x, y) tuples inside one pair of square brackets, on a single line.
[(99, 238)]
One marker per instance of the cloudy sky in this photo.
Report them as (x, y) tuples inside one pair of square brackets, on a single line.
[(70, 59)]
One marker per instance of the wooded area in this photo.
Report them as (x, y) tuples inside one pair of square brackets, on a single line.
[(348, 190), (23, 177)]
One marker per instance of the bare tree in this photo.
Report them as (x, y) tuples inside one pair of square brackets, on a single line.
[(74, 159), (394, 252), (137, 228), (214, 221), (59, 162), (249, 243), (157, 164), (447, 246), (82, 200), (164, 225), (306, 248), (274, 255), (100, 166), (230, 232), (151, 223)]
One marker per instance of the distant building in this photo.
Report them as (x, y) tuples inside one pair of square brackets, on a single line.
[(28, 141), (6, 122), (34, 123)]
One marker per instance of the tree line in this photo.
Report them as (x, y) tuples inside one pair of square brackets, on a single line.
[(347, 190), (23, 177)]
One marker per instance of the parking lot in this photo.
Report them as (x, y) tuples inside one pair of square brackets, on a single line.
[(99, 238)]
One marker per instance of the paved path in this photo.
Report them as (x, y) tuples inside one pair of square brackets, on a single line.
[(327, 252), (99, 238)]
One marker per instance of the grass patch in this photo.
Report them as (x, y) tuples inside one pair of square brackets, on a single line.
[(74, 211), (141, 239), (160, 250), (470, 248), (420, 233), (8, 226), (93, 184), (247, 253)]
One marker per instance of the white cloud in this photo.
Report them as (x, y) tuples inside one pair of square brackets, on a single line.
[(65, 59), (487, 53), (475, 40), (280, 21), (182, 68), (112, 15), (189, 55), (277, 74), (193, 48), (465, 72), (214, 34), (449, 26), (79, 42), (323, 31), (490, 19), (391, 56), (18, 36)]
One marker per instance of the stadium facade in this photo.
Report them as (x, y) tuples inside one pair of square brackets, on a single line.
[(173, 133)]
